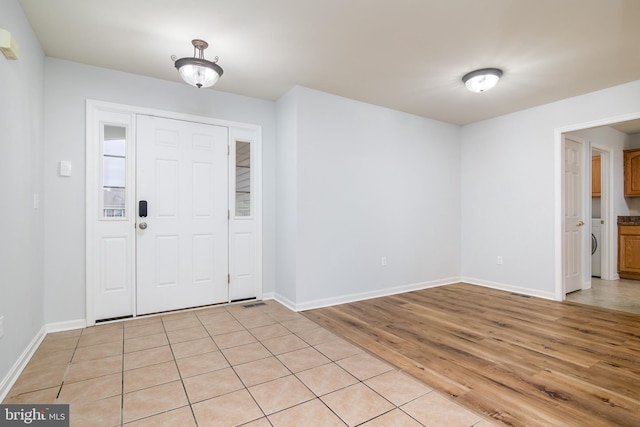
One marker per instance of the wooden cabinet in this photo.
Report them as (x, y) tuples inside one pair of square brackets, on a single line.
[(595, 176), (629, 251), (632, 173)]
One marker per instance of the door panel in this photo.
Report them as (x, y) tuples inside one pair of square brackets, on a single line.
[(182, 254), (573, 227)]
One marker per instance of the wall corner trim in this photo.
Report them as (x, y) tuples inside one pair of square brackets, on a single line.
[(17, 368)]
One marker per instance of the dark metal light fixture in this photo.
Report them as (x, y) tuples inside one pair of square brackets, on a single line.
[(197, 71), (482, 80)]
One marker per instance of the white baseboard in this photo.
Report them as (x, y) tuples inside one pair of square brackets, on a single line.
[(509, 288), (268, 295), (66, 325), (19, 365), (285, 301), (343, 299)]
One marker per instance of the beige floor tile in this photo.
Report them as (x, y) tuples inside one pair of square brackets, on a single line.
[(435, 410), (303, 359), (261, 371), (338, 349), (231, 409), (395, 418), (213, 318), (312, 413), (316, 336), (364, 366), (269, 331), (246, 353), (212, 384), (187, 334), (201, 364), (224, 327), (150, 356), (91, 390), (98, 351), (103, 327), (326, 379), (233, 339), (181, 417), (101, 413), (260, 422), (141, 321), (256, 321), (192, 348), (48, 395), (149, 376), (66, 334), (288, 316), (299, 325), (145, 342), (284, 344), (214, 309), (57, 344), (100, 337), (38, 379), (145, 329), (173, 324), (93, 369), (155, 400), (283, 393), (357, 404), (397, 388), (49, 358)]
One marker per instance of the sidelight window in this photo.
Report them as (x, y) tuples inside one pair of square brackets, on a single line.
[(243, 179), (114, 174)]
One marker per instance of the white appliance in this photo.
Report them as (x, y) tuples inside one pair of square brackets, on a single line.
[(595, 247)]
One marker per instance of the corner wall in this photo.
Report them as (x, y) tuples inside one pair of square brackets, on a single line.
[(371, 183), (21, 159)]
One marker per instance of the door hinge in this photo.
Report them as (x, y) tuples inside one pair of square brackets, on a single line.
[(228, 278), (228, 150), (228, 214)]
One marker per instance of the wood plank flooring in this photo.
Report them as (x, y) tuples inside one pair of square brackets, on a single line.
[(517, 360)]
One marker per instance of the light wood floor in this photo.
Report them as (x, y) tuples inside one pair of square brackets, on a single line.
[(514, 359)]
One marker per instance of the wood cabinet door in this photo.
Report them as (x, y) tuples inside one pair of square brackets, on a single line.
[(632, 173), (595, 176), (629, 250)]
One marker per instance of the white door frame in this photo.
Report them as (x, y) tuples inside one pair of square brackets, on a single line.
[(610, 227), (237, 131), (607, 230)]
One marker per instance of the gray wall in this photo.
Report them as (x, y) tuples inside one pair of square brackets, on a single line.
[(21, 148), (370, 182)]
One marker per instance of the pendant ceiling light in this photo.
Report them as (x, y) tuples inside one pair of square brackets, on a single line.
[(197, 71), (482, 80)]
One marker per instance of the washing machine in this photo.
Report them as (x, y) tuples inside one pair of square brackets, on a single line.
[(596, 259)]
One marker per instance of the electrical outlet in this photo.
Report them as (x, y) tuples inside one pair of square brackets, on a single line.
[(499, 260), (383, 261), (1, 326)]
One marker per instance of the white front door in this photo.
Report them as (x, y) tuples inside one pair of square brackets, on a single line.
[(573, 227), (182, 243)]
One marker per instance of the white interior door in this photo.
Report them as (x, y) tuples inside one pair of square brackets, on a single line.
[(182, 248), (573, 228)]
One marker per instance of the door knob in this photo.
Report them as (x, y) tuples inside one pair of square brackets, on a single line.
[(142, 225), (580, 223)]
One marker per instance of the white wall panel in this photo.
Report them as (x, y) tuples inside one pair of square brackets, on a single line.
[(115, 263)]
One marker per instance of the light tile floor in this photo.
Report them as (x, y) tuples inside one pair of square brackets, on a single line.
[(226, 366), (621, 295)]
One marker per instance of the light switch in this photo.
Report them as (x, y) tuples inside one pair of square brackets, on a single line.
[(65, 168)]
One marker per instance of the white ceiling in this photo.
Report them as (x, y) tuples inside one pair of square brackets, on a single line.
[(408, 55)]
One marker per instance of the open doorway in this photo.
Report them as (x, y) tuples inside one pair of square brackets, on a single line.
[(604, 202)]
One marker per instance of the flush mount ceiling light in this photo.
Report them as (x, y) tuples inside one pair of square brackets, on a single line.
[(197, 71), (482, 80)]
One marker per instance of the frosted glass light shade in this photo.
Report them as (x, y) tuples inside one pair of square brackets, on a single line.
[(482, 80), (198, 72)]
